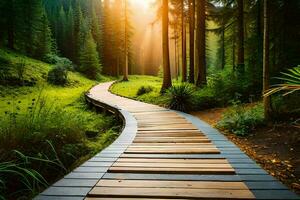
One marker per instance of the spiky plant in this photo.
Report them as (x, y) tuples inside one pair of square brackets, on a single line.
[(180, 97), (291, 82)]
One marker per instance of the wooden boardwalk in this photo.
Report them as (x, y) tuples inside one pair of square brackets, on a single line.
[(163, 154)]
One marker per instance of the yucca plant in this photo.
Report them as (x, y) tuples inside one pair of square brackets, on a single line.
[(180, 97), (291, 82)]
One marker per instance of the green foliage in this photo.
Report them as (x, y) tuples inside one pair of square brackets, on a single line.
[(180, 97), (241, 119), (292, 82), (144, 90), (135, 83), (53, 130), (58, 75), (160, 72), (55, 59), (44, 41), (287, 106), (29, 131), (89, 59), (4, 69)]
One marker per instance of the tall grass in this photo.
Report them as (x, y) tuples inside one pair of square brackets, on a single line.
[(52, 137)]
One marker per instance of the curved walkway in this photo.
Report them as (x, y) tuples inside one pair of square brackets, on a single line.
[(164, 154)]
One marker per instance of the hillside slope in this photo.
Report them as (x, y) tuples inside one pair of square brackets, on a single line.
[(45, 130)]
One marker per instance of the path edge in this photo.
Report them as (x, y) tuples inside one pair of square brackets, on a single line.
[(78, 183)]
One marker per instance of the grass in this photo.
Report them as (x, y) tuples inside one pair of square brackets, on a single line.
[(135, 83), (44, 128)]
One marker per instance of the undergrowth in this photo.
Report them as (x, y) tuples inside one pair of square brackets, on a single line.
[(242, 119)]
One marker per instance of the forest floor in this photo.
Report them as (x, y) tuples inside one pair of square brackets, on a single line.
[(276, 147)]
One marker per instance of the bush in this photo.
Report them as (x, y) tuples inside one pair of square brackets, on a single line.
[(5, 72), (56, 60), (180, 97), (144, 90), (286, 107), (58, 75), (240, 119)]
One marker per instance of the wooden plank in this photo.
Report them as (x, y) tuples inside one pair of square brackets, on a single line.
[(186, 156), (171, 140), (172, 147), (172, 165), (171, 160), (172, 193), (124, 198), (172, 184), (171, 170), (174, 151), (173, 143), (169, 134), (163, 128), (170, 131)]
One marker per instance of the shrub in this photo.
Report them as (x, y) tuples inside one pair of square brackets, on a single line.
[(144, 90), (54, 59), (240, 119), (5, 72), (58, 75), (180, 97)]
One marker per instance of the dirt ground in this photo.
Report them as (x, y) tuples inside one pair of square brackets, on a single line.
[(276, 147)]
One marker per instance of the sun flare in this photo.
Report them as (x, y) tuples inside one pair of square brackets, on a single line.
[(145, 4)]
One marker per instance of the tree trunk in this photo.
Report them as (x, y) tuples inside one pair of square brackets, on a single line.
[(125, 68), (266, 61), (192, 40), (241, 53), (201, 43), (223, 47), (10, 36), (175, 53), (233, 55), (167, 82), (183, 37)]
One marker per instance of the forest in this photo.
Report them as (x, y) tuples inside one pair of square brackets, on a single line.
[(232, 63)]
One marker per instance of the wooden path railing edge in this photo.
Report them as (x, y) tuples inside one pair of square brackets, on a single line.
[(77, 184), (260, 183)]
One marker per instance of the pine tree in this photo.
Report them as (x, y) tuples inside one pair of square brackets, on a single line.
[(43, 40), (70, 35), (167, 82), (78, 32), (201, 43), (266, 61), (89, 59), (241, 51), (33, 11), (183, 41), (61, 31), (192, 40)]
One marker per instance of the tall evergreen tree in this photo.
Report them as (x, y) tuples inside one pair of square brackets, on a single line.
[(78, 31), (192, 40), (201, 43), (61, 30), (89, 59), (183, 41), (43, 40), (241, 50), (167, 82), (266, 63)]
